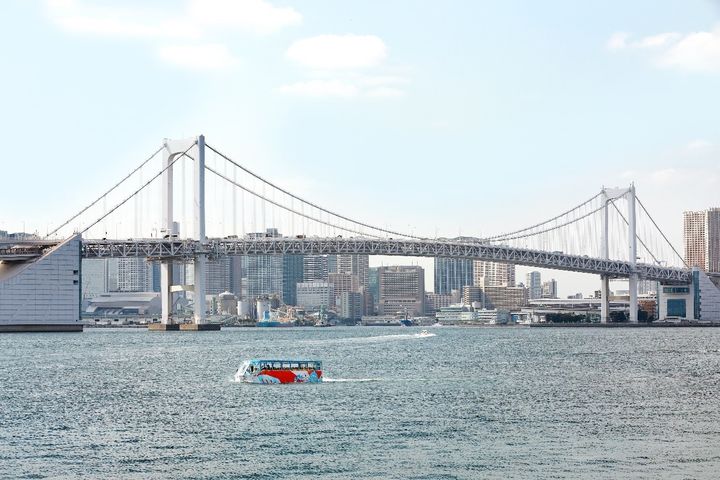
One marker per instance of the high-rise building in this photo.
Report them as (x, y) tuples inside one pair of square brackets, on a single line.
[(402, 290), (374, 288), (701, 235), (343, 282), (504, 298), (292, 275), (549, 289), (350, 305), (452, 274), (134, 275), (217, 276), (493, 274), (332, 263), (112, 273), (257, 276), (314, 295), (436, 301), (470, 294), (263, 276), (236, 275), (155, 276), (534, 285), (353, 264), (315, 268)]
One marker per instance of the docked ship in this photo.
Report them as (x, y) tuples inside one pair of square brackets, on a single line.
[(386, 321), (279, 371)]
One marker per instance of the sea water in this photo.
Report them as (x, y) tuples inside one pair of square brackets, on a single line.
[(466, 403)]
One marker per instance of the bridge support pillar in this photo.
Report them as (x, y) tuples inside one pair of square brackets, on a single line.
[(632, 234), (605, 254), (166, 296), (604, 299), (173, 150), (633, 287), (200, 265)]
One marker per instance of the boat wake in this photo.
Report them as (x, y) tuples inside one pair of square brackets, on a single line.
[(374, 339), (350, 380)]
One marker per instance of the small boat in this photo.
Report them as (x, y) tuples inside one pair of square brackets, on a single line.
[(279, 371), (425, 333)]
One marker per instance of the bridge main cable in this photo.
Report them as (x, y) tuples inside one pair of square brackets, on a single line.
[(508, 236), (262, 197), (123, 202), (661, 232), (310, 203), (106, 193)]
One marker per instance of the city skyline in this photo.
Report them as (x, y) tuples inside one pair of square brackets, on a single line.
[(322, 239), (277, 106)]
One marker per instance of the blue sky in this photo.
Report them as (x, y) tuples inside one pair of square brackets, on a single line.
[(462, 116)]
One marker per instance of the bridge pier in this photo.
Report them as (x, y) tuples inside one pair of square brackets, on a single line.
[(632, 237), (604, 299), (200, 263), (174, 149), (166, 294), (604, 254)]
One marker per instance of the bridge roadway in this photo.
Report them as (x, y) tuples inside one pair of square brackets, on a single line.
[(187, 249)]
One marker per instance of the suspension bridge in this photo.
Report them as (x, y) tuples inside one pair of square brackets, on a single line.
[(611, 234)]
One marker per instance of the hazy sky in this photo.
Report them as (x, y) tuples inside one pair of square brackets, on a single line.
[(452, 117)]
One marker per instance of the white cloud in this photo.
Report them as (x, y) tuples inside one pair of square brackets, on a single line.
[(699, 144), (340, 88), (620, 40), (343, 66), (659, 40), (252, 15), (75, 17), (385, 92), (321, 88), (380, 80), (338, 51), (209, 56), (697, 52), (617, 41), (197, 22)]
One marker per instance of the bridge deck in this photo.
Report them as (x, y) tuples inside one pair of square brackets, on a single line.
[(186, 249)]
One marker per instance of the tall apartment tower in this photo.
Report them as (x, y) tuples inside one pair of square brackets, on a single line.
[(701, 235), (374, 288), (315, 268), (217, 276), (402, 289), (354, 265), (134, 275), (493, 274), (292, 275), (452, 274), (534, 285), (263, 275), (342, 283)]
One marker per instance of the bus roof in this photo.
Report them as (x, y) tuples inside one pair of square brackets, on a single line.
[(269, 360)]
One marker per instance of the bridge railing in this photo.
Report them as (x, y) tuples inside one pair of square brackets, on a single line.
[(187, 249)]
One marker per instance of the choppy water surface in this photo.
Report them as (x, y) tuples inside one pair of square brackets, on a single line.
[(466, 403)]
